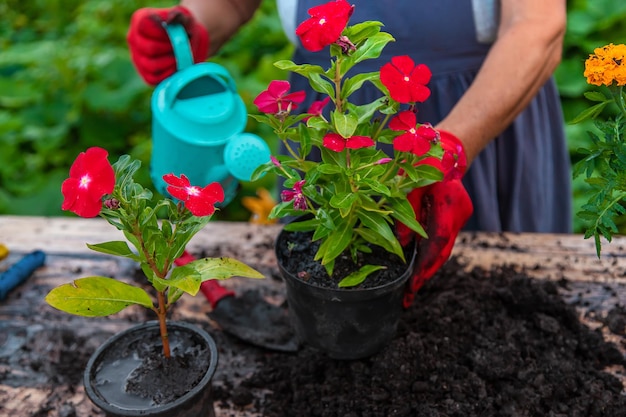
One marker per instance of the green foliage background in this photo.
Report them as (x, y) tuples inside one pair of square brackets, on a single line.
[(67, 83)]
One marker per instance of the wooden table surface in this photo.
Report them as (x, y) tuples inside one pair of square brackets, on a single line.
[(595, 285)]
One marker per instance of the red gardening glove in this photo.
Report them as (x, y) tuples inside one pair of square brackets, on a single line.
[(150, 47), (442, 209)]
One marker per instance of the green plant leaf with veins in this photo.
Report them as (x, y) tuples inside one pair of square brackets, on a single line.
[(96, 297)]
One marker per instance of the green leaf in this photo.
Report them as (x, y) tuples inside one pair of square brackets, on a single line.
[(96, 297), (321, 85), (302, 226), (329, 169), (377, 186), (223, 268), (404, 213), (378, 225), (345, 124), (353, 84), (595, 96), (370, 49), (343, 202), (305, 69), (184, 278), (117, 248), (590, 113), (359, 276), (335, 243)]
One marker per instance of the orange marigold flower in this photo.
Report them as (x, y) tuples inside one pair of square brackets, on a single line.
[(607, 65)]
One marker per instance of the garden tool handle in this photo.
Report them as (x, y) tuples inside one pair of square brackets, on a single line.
[(213, 291), (20, 271)]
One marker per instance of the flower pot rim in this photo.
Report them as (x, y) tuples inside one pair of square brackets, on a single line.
[(95, 397)]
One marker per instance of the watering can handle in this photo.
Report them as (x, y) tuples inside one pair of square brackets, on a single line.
[(180, 45), (184, 58)]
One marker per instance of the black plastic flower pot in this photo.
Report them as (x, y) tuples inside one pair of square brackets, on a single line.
[(119, 375), (344, 323)]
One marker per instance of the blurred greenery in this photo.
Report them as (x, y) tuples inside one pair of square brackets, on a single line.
[(67, 83)]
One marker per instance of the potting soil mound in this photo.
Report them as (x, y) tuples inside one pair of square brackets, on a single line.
[(480, 343)]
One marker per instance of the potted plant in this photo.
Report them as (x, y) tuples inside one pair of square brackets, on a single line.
[(603, 161), (156, 368), (347, 255)]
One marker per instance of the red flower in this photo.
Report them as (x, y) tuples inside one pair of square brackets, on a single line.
[(316, 108), (275, 99), (338, 143), (91, 178), (299, 200), (415, 140), (406, 81), (199, 201), (453, 163), (325, 25)]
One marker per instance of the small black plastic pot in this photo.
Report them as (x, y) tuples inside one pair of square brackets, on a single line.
[(108, 370), (345, 323)]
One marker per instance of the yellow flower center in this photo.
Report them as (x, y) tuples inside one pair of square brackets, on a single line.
[(322, 21), (406, 78)]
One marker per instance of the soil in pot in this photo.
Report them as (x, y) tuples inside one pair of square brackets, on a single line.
[(296, 253), (133, 373)]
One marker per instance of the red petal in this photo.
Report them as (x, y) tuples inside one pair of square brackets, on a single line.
[(178, 193), (357, 142), (405, 120), (214, 193), (199, 206), (334, 142), (404, 142)]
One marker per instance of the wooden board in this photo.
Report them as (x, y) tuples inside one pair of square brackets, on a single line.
[(595, 285)]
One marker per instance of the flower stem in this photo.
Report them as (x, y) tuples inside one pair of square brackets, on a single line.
[(161, 313)]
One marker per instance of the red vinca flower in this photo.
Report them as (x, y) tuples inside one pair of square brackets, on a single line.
[(325, 25), (316, 108), (416, 140), (199, 201), (91, 178), (299, 200), (338, 143), (275, 99), (405, 81), (453, 163)]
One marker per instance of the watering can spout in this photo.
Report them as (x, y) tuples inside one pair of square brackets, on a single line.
[(198, 119)]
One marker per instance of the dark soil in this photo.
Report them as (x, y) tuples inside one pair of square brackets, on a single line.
[(164, 380), (479, 343), (485, 343), (296, 252)]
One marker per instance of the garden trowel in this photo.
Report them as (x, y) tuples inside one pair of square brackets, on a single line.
[(248, 317)]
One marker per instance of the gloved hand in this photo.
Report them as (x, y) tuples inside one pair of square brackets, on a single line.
[(442, 209), (150, 47)]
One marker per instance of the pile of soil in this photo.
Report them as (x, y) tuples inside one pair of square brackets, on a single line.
[(479, 343)]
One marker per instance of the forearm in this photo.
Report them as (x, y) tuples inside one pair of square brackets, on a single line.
[(523, 58), (221, 18)]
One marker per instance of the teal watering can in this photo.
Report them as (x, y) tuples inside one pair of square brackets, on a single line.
[(197, 125)]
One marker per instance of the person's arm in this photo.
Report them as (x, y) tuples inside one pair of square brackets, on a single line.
[(221, 18), (527, 51)]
